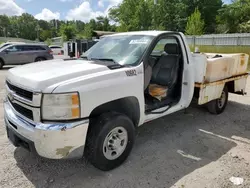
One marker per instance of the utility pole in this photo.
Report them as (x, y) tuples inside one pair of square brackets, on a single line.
[(4, 32), (154, 15), (38, 30)]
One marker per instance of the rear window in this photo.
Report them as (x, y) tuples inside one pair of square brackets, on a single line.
[(40, 48)]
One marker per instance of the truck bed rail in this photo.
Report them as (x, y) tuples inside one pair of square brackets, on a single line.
[(238, 77)]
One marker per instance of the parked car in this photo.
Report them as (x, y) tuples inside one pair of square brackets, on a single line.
[(10, 43), (56, 50), (17, 54)]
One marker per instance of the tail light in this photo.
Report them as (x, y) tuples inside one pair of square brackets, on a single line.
[(50, 52)]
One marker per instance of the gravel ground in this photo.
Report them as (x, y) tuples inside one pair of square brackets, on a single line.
[(192, 149)]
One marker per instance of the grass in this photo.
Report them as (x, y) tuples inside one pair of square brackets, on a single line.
[(225, 49)]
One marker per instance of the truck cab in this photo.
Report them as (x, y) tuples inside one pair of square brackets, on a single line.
[(93, 105)]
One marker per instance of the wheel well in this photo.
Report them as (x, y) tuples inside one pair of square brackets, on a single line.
[(230, 86), (40, 57), (1, 59), (128, 106)]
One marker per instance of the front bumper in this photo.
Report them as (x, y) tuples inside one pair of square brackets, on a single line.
[(49, 140)]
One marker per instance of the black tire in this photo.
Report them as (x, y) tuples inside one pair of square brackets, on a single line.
[(215, 106), (98, 131), (40, 59), (1, 63)]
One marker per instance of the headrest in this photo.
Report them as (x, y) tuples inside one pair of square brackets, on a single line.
[(171, 48)]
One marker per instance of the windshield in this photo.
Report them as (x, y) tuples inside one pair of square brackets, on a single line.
[(122, 49)]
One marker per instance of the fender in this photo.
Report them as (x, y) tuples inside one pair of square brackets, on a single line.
[(128, 106)]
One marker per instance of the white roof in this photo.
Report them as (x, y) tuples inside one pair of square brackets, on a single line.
[(150, 33)]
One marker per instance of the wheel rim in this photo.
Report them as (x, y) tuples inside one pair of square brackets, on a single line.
[(115, 143), (222, 100)]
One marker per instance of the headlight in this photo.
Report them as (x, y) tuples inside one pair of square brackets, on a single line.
[(61, 106)]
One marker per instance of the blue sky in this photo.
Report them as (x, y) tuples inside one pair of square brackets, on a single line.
[(60, 9)]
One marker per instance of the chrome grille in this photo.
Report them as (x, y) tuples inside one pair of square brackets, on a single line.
[(21, 92), (25, 102), (23, 111)]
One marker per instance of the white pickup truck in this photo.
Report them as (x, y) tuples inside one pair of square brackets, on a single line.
[(93, 105)]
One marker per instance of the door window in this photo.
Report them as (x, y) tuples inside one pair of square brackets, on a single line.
[(13, 49), (159, 47)]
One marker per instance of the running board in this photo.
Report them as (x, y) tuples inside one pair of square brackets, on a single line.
[(160, 110)]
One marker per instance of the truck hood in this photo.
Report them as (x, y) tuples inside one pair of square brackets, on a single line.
[(41, 75)]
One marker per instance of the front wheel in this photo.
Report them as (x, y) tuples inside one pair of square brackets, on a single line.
[(40, 59), (1, 64), (218, 106), (110, 140)]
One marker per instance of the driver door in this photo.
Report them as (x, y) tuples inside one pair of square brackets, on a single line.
[(187, 75)]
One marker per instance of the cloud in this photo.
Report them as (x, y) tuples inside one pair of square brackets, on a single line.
[(10, 8), (47, 15), (227, 1), (84, 12), (100, 4), (111, 3)]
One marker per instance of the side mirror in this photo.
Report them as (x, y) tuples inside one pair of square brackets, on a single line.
[(7, 51)]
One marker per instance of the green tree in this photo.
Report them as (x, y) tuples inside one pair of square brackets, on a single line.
[(92, 24), (27, 27), (195, 25), (68, 32), (45, 34), (4, 25), (170, 15), (44, 24), (114, 14), (244, 27), (88, 31), (235, 16), (102, 23), (80, 26), (132, 15), (48, 42), (14, 28), (209, 10), (144, 14)]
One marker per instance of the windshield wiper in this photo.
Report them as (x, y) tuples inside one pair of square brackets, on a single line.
[(104, 59)]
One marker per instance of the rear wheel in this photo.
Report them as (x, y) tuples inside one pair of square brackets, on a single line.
[(110, 140), (1, 64), (218, 106), (39, 59)]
